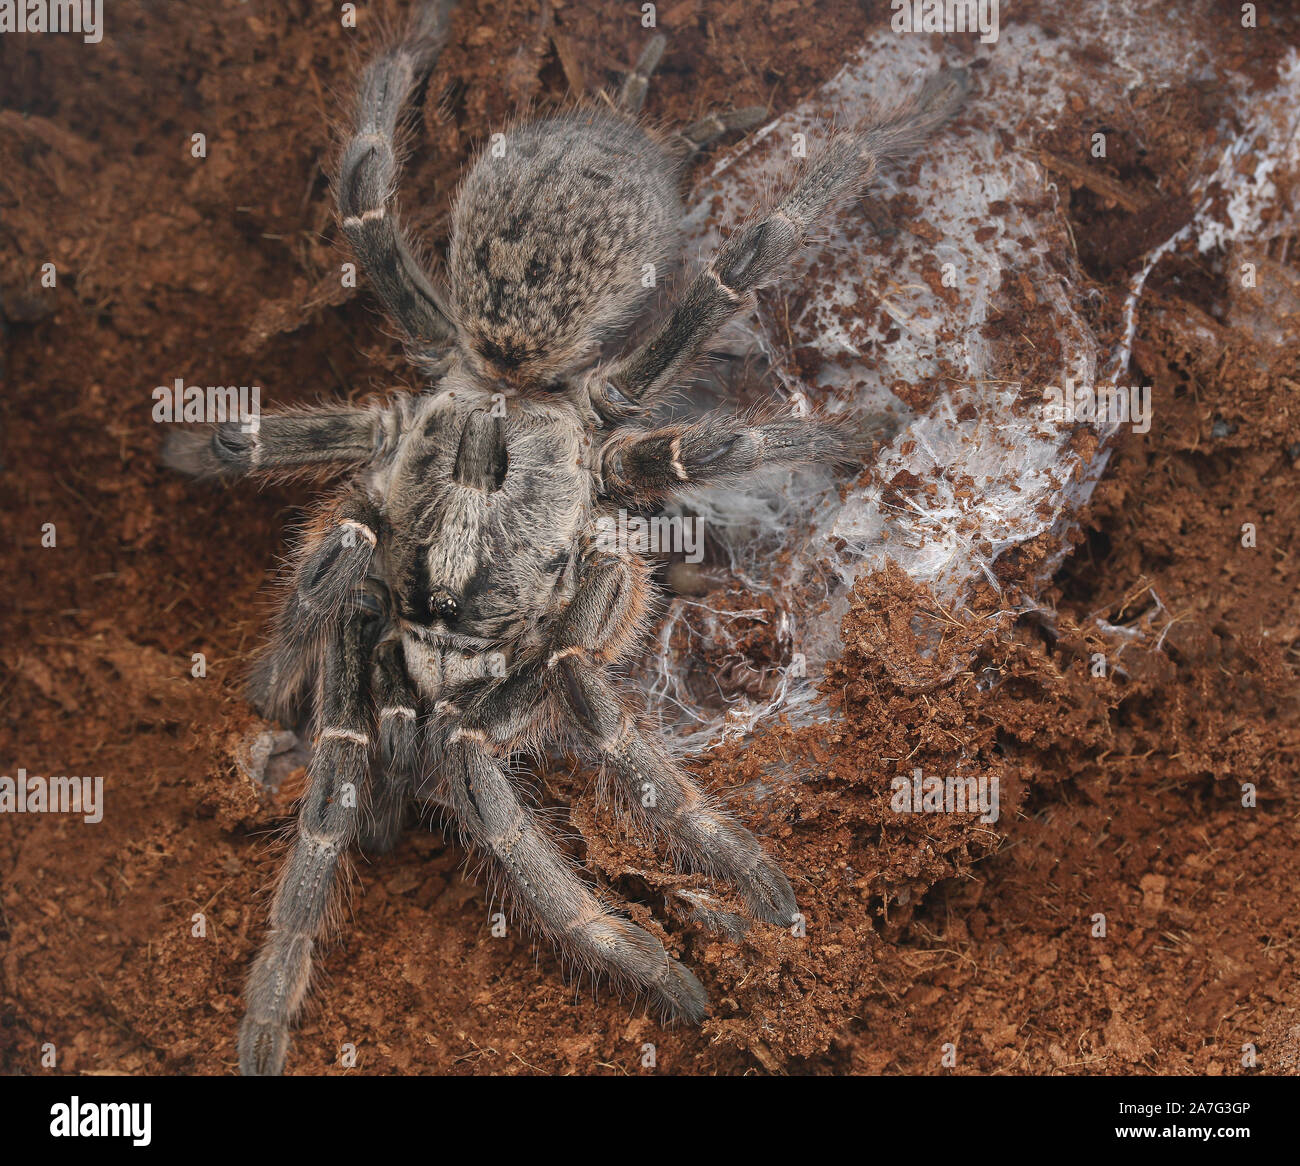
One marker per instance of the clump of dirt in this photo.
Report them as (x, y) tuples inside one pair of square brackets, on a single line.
[(1142, 728)]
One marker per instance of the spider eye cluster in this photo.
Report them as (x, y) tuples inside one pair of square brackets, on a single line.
[(444, 605)]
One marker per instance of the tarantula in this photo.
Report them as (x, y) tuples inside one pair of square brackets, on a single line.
[(450, 609)]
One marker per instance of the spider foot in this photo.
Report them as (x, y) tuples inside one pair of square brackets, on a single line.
[(679, 995), (262, 1048), (768, 894), (703, 909)]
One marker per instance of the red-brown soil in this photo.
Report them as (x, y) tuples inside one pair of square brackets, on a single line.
[(1121, 794)]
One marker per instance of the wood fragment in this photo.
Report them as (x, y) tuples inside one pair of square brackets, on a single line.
[(569, 62), (1095, 181)]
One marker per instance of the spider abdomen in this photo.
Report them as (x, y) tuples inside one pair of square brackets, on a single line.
[(557, 234)]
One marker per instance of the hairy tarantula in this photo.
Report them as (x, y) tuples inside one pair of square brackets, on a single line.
[(450, 608)]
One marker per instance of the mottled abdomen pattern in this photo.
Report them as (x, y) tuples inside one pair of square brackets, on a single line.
[(551, 235)]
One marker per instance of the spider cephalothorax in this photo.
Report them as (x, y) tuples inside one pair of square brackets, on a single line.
[(452, 607)]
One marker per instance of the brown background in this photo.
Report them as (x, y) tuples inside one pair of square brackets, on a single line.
[(1120, 795)]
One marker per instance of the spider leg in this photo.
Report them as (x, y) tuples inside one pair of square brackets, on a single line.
[(607, 611), (694, 137), (281, 442), (366, 186), (391, 781), (602, 618), (605, 614), (647, 467), (327, 822), (632, 96), (699, 832), (332, 563), (755, 254), (542, 880)]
